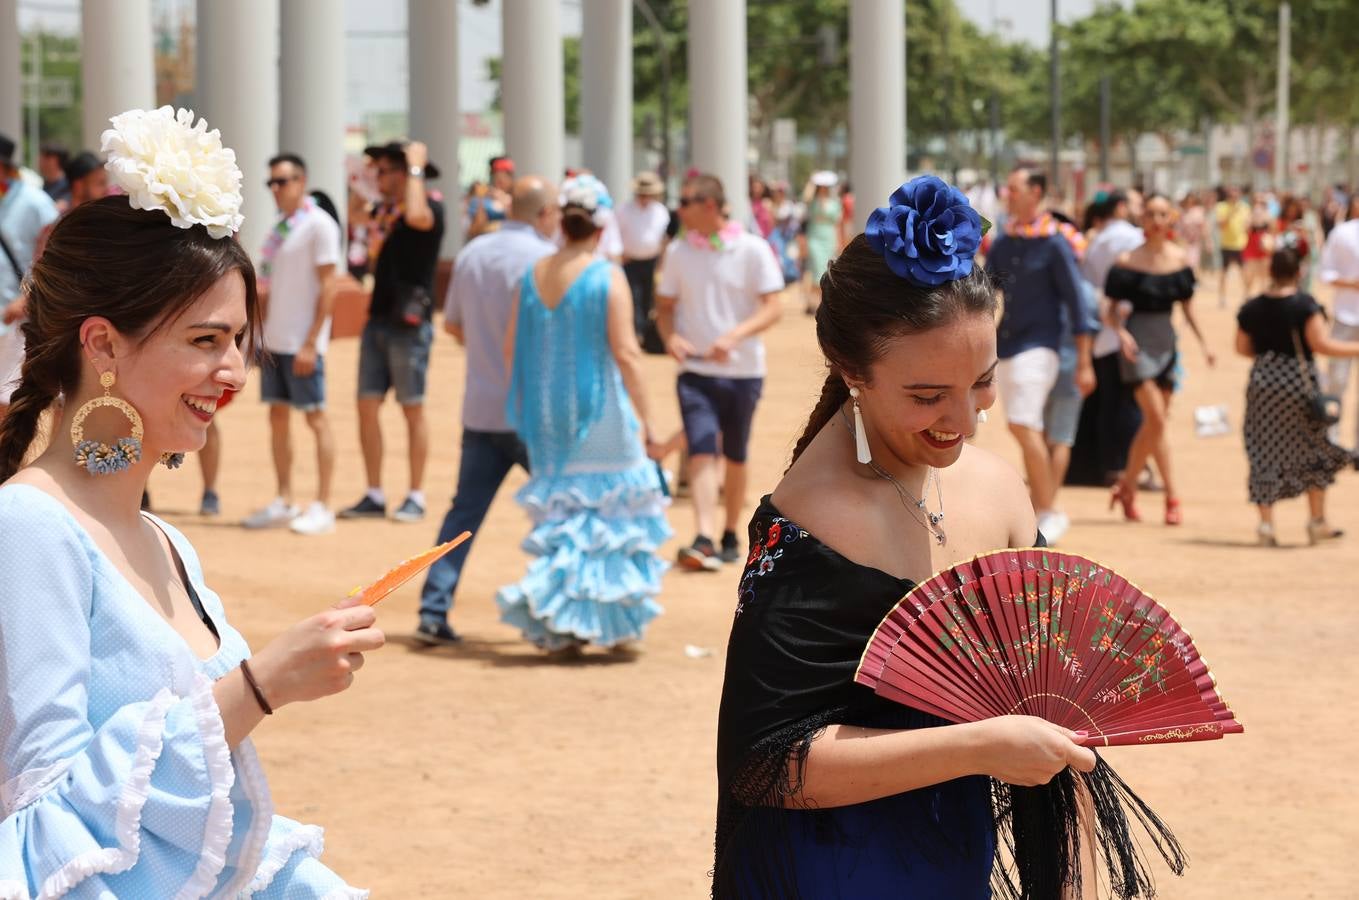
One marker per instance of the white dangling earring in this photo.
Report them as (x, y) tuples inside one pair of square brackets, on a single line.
[(860, 434), (982, 417)]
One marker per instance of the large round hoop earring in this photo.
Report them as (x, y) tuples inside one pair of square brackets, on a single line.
[(99, 458)]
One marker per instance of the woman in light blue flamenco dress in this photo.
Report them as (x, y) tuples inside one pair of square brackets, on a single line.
[(126, 699), (595, 499)]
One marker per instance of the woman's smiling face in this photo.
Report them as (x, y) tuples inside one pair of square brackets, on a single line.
[(175, 377), (921, 398)]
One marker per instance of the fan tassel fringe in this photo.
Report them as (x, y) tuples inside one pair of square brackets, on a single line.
[(1044, 867)]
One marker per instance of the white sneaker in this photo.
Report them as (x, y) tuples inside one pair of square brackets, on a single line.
[(1054, 524), (316, 520), (275, 515)]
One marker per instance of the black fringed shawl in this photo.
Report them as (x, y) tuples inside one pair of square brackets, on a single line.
[(803, 618)]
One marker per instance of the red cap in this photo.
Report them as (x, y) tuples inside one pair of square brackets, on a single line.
[(504, 164)]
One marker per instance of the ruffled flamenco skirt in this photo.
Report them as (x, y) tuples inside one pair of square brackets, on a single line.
[(595, 572)]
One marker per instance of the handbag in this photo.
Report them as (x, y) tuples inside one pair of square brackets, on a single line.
[(1321, 406), (412, 305)]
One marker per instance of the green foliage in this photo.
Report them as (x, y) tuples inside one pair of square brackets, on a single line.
[(1170, 63), (60, 63)]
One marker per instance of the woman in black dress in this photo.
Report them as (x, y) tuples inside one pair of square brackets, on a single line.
[(827, 790), (1288, 449), (1145, 285)]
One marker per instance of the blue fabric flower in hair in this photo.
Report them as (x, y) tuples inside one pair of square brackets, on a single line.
[(927, 233)]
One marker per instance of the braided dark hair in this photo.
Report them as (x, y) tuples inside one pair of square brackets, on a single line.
[(864, 306), (130, 266)]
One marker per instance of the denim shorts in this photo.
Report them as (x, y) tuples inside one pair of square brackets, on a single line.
[(394, 357), (280, 387), (711, 406), (1062, 412)]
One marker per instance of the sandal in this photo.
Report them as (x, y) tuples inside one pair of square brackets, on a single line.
[(1264, 533), (1318, 531), (1124, 495), (1174, 515)]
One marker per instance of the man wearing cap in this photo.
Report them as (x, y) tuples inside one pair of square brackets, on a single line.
[(481, 295), (24, 212), (405, 230), (642, 224)]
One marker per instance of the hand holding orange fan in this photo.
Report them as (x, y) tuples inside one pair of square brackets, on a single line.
[(404, 571)]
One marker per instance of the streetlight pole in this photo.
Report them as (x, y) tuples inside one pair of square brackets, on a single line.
[(663, 49), (1281, 107), (1055, 87), (1104, 129)]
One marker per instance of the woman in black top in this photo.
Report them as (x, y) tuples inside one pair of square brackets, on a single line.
[(1145, 285), (827, 790), (1288, 449)]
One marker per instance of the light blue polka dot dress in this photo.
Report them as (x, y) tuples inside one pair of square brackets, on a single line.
[(595, 499), (115, 777)]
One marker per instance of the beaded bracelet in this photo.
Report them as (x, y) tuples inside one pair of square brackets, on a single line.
[(255, 687)]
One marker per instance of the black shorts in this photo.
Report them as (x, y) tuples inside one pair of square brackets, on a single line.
[(1231, 257)]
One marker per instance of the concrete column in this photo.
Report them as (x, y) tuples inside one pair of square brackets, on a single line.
[(877, 102), (434, 112), (606, 92), (311, 100), (719, 123), (11, 77), (116, 61), (531, 85), (238, 95)]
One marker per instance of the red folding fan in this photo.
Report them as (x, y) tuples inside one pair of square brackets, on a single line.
[(1041, 633)]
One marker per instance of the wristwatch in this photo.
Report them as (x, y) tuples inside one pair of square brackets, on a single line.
[(416, 171)]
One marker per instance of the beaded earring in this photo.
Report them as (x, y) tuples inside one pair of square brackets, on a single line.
[(99, 458)]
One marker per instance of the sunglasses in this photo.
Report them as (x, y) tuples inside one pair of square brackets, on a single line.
[(279, 182), (688, 201)]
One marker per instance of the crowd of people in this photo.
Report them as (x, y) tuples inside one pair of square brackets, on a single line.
[(555, 298)]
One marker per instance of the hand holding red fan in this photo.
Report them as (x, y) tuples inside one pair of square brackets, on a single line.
[(1047, 634), (404, 571)]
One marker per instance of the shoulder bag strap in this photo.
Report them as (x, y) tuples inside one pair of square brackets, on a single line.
[(1302, 357), (13, 260)]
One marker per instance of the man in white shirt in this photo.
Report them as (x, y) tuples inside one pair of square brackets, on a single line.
[(1340, 269), (297, 270), (719, 289), (642, 224)]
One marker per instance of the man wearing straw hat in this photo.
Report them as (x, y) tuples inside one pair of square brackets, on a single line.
[(642, 223)]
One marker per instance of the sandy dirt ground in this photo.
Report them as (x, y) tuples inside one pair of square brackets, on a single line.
[(489, 772)]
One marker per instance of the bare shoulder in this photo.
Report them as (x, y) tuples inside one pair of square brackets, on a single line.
[(833, 504), (982, 480)]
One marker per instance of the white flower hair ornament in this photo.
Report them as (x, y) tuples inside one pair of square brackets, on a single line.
[(162, 160), (590, 194)]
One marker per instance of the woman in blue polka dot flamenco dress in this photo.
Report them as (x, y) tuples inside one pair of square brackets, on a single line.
[(127, 699), (595, 499)]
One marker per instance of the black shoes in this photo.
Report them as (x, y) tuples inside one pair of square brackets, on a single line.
[(700, 556)]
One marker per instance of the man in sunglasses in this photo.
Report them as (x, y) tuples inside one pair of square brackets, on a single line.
[(719, 289), (405, 231), (297, 269)]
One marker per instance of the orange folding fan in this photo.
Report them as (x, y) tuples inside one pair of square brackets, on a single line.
[(404, 571), (1036, 632)]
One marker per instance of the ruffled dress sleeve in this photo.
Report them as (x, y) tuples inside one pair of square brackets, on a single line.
[(85, 800)]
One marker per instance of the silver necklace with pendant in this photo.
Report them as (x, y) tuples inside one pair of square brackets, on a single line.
[(932, 522)]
